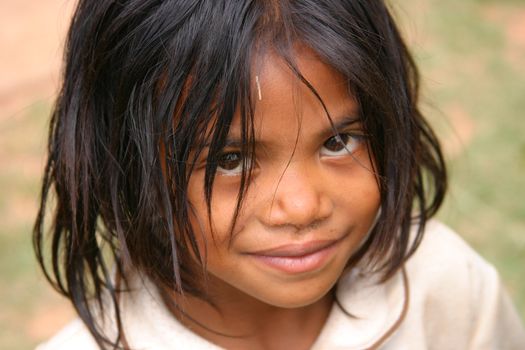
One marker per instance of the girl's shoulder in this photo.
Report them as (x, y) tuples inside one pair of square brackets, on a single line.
[(73, 336), (146, 321), (456, 297), (444, 257)]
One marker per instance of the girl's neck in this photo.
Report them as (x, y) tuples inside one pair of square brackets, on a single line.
[(242, 322)]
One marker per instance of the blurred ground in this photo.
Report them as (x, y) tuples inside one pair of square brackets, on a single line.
[(472, 59), (31, 34)]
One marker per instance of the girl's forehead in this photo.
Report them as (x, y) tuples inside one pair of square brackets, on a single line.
[(278, 91), (275, 70)]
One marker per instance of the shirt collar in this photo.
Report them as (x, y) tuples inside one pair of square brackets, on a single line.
[(367, 311)]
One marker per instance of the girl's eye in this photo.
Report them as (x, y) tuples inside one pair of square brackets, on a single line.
[(340, 145), (230, 163)]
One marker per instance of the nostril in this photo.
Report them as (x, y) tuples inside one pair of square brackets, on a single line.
[(297, 228)]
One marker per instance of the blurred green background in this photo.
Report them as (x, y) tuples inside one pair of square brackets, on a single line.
[(472, 60)]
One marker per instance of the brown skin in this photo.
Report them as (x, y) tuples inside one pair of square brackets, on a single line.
[(305, 188)]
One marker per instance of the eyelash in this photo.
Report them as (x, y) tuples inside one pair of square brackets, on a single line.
[(226, 159)]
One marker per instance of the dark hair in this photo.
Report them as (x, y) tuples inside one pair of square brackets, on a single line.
[(140, 97)]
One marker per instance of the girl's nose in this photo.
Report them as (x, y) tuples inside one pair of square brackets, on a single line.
[(301, 199)]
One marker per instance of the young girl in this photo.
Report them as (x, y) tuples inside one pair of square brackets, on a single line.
[(253, 175)]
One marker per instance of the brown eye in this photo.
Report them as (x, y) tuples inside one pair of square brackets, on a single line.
[(232, 163), (336, 143), (340, 145), (229, 161)]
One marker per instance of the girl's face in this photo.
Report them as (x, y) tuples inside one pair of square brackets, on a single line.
[(312, 198)]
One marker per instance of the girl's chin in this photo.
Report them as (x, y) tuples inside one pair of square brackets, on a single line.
[(294, 297)]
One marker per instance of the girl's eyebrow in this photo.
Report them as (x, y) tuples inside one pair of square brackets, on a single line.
[(337, 126), (341, 124)]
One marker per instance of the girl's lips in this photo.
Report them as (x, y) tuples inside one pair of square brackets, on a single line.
[(298, 258)]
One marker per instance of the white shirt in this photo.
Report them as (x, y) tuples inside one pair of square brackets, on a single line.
[(446, 297)]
